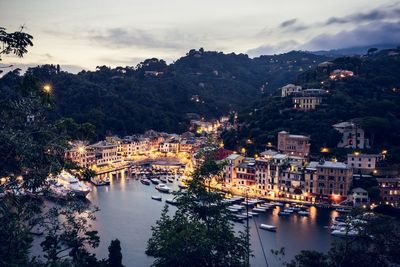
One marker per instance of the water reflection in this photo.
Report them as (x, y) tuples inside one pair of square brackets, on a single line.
[(127, 212)]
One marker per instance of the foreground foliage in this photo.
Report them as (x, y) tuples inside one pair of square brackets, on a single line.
[(200, 232)]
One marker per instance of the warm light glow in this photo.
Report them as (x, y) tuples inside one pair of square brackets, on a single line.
[(221, 144), (384, 152), (47, 88), (81, 149), (269, 144), (356, 153), (375, 171), (243, 150), (324, 150)]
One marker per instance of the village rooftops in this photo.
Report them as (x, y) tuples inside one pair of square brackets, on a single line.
[(233, 156), (327, 164), (297, 136), (102, 144)]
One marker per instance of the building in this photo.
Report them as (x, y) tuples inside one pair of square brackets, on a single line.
[(289, 89), (340, 74), (245, 173), (363, 163), (306, 102), (389, 191), (222, 153), (308, 99), (328, 179), (296, 145), (186, 146), (171, 146), (232, 161), (359, 197), (82, 155), (105, 152), (353, 136)]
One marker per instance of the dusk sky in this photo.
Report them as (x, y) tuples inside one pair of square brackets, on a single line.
[(86, 33)]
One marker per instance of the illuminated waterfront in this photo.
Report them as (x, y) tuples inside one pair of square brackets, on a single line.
[(127, 212)]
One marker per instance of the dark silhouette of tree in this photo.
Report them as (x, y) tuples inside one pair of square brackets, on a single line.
[(114, 254)]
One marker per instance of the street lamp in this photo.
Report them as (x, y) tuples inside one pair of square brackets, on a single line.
[(47, 88)]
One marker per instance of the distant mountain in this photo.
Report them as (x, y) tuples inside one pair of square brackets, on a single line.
[(358, 50), (371, 95), (155, 95)]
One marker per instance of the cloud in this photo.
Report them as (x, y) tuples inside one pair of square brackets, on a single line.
[(288, 23), (383, 13), (369, 34), (121, 37), (269, 49)]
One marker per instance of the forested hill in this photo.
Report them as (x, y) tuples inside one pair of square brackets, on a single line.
[(371, 96), (155, 95)]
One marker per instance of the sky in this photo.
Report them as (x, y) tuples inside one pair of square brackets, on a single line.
[(83, 34)]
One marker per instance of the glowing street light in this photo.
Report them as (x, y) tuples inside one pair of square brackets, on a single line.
[(47, 88), (324, 150), (243, 150), (81, 149)]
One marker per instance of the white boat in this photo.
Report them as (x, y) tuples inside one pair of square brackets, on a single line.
[(171, 201), (156, 198), (343, 231), (288, 211), (170, 180), (259, 210), (253, 213), (284, 213), (164, 180), (277, 204), (155, 181), (303, 212), (268, 227), (163, 188), (72, 183), (232, 210)]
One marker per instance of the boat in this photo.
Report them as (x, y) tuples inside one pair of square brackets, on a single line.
[(72, 183), (163, 188), (288, 211), (284, 213), (100, 182), (156, 198), (164, 180), (259, 210), (171, 201), (268, 227), (343, 231), (253, 213), (145, 181), (247, 215), (155, 180), (303, 212), (232, 210), (277, 204), (170, 180)]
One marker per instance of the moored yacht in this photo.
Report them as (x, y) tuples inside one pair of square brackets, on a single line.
[(70, 182), (163, 188)]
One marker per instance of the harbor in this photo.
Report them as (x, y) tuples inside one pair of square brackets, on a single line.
[(127, 211)]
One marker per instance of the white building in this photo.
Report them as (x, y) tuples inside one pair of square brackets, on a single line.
[(230, 168), (353, 136), (363, 163), (359, 197), (105, 152), (289, 89)]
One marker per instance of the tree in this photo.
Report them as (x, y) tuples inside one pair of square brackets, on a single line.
[(15, 42), (114, 254), (200, 232)]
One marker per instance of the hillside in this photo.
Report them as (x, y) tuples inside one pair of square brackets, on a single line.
[(372, 96), (155, 95)]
